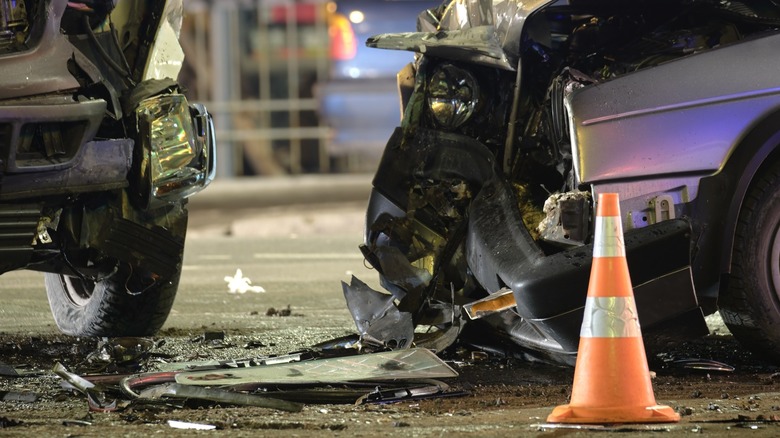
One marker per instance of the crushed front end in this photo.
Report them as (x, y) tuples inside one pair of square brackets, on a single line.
[(488, 185)]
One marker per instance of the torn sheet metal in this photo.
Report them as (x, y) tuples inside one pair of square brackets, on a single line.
[(479, 45), (486, 32), (414, 363), (376, 316), (205, 365), (405, 277), (176, 390), (95, 396)]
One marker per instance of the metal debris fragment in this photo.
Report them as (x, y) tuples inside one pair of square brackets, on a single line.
[(704, 365), (434, 389), (95, 396), (236, 363), (376, 316), (176, 390)]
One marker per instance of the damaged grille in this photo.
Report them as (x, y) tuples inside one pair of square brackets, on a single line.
[(41, 144)]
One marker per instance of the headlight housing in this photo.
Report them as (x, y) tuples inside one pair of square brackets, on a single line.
[(179, 148), (453, 96)]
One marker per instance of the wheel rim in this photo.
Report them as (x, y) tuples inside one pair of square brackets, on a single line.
[(78, 291)]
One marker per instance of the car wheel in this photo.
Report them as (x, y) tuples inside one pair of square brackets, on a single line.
[(750, 306), (122, 304)]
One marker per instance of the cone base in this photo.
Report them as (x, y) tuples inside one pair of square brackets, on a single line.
[(613, 415)]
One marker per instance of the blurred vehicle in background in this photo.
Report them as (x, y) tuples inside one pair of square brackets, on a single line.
[(359, 102)]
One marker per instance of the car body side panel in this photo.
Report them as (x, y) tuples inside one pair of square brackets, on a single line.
[(659, 121)]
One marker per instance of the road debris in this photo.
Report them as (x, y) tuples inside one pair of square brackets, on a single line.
[(175, 390), (19, 370), (701, 365), (238, 284), (237, 363), (96, 397), (378, 320), (401, 364), (190, 426), (433, 389), (120, 354)]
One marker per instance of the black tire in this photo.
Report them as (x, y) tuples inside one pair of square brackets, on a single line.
[(106, 307), (750, 306)]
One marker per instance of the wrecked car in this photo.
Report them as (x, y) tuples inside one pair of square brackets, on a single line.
[(99, 150), (517, 114)]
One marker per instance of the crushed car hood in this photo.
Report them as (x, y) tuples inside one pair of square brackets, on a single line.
[(484, 32)]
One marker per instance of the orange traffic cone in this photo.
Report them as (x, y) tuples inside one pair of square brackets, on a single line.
[(611, 376)]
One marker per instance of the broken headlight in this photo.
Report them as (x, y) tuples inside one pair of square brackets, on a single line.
[(452, 96), (179, 148)]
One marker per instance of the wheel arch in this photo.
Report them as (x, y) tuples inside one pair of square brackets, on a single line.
[(759, 148)]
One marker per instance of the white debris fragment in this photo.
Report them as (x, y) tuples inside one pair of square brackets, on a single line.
[(240, 284), (192, 426)]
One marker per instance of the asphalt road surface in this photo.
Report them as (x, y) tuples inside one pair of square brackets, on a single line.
[(299, 258)]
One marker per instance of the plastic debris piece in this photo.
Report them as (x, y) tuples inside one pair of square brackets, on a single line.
[(376, 316), (238, 284), (175, 390), (493, 303), (191, 426), (414, 363)]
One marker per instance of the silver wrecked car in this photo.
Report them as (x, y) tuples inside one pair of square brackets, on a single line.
[(518, 113)]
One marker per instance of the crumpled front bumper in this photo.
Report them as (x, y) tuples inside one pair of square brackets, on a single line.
[(550, 289)]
